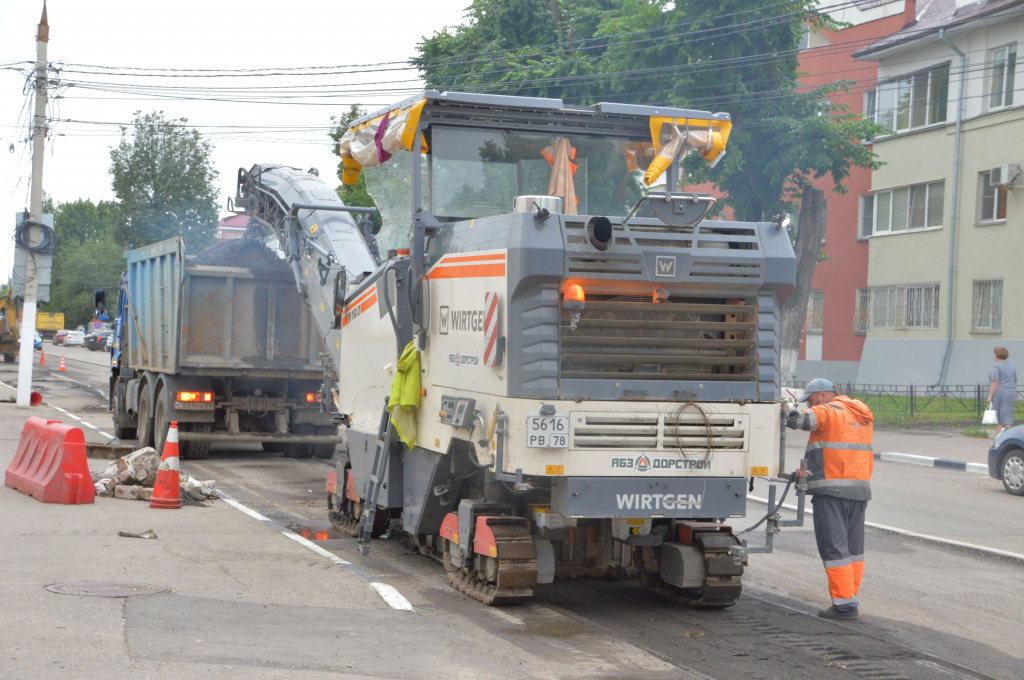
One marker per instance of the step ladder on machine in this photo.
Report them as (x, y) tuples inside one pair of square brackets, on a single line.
[(377, 472)]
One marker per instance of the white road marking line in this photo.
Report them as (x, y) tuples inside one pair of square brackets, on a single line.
[(67, 413), (83, 422), (948, 542), (388, 593)]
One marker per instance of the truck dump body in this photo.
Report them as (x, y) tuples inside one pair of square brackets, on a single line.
[(215, 320), (228, 352)]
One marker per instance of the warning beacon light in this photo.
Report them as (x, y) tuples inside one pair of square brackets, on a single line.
[(573, 297)]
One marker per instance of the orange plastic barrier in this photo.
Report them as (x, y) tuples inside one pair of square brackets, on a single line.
[(50, 464)]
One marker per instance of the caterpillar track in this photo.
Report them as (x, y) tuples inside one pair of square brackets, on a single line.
[(506, 579)]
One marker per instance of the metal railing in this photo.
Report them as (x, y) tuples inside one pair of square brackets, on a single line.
[(923, 403)]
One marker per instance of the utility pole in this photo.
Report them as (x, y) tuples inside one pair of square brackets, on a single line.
[(39, 129)]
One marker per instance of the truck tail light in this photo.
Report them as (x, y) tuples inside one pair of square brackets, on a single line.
[(198, 397), (312, 397)]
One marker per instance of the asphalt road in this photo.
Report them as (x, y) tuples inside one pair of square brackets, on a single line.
[(928, 610)]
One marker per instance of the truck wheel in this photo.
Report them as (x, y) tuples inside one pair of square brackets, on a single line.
[(145, 429), (195, 450), (9, 358), (121, 431), (161, 423), (298, 450), (324, 451)]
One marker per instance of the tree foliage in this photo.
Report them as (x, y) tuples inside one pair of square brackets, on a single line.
[(163, 181), (356, 195), (88, 257)]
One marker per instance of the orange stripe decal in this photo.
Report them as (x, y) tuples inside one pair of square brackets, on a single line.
[(469, 271), (359, 307), (359, 300), (472, 258)]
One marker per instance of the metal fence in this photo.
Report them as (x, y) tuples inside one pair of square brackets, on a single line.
[(897, 403)]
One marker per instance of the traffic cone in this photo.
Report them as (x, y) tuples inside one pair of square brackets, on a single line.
[(42, 358), (167, 490), (62, 366)]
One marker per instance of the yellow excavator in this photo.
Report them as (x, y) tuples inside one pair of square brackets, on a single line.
[(8, 328)]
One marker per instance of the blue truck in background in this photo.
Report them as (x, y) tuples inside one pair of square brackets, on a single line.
[(230, 353)]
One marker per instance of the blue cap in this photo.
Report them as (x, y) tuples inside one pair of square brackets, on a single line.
[(816, 385)]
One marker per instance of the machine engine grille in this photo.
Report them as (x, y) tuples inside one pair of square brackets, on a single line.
[(633, 337), (685, 430)]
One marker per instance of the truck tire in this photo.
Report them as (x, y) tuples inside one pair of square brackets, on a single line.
[(121, 431), (144, 431), (298, 450), (161, 423), (324, 451), (194, 450), (9, 358)]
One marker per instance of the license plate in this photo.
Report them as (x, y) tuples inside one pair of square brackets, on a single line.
[(547, 432)]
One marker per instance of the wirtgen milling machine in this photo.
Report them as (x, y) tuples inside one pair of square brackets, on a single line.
[(584, 374)]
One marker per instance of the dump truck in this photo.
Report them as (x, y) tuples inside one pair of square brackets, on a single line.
[(9, 337), (229, 352), (48, 323), (559, 367)]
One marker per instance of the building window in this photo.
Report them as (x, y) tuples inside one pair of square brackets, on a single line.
[(867, 216), (902, 209), (992, 201), (911, 101), (987, 308), (863, 312), (1004, 64), (805, 37), (815, 312), (903, 306)]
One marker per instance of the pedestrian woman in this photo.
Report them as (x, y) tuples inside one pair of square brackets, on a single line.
[(1003, 390)]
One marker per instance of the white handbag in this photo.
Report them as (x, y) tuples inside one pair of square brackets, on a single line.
[(990, 417)]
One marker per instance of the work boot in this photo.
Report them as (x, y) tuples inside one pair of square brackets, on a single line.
[(833, 613)]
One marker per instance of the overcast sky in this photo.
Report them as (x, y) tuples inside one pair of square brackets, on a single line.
[(275, 123)]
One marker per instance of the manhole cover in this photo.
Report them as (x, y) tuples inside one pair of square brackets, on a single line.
[(106, 589)]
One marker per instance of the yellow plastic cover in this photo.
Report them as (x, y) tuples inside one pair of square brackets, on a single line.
[(675, 137), (358, 146)]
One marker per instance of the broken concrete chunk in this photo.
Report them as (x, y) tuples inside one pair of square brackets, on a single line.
[(138, 467), (196, 490), (127, 492), (105, 486)]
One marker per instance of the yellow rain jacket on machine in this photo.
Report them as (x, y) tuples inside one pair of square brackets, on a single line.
[(405, 395)]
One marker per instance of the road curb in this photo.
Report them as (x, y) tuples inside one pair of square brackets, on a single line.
[(926, 461)]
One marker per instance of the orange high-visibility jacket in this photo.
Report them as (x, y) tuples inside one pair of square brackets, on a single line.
[(839, 454)]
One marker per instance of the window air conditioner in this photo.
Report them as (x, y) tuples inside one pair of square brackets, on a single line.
[(1005, 176)]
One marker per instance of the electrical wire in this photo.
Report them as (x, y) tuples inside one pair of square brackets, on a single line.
[(23, 237)]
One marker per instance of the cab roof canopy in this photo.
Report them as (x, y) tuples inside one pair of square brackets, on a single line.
[(493, 110)]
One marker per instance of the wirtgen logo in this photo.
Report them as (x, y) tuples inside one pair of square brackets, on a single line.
[(659, 501), (665, 265)]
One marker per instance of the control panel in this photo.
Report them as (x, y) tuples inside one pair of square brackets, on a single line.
[(457, 411)]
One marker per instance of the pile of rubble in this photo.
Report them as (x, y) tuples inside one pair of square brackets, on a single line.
[(132, 477)]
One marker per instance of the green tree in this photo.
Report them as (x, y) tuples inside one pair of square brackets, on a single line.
[(356, 195), (163, 182), (95, 265), (516, 47), (88, 257)]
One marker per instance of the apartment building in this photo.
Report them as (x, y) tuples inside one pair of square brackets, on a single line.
[(831, 343), (944, 217)]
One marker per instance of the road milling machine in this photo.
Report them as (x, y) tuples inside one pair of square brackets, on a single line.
[(556, 367)]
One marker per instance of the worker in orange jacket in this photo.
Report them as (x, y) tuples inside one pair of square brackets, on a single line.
[(839, 461)]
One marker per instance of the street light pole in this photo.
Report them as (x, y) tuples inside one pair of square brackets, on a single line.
[(39, 129)]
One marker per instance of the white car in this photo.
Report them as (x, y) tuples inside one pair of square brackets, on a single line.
[(75, 339)]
